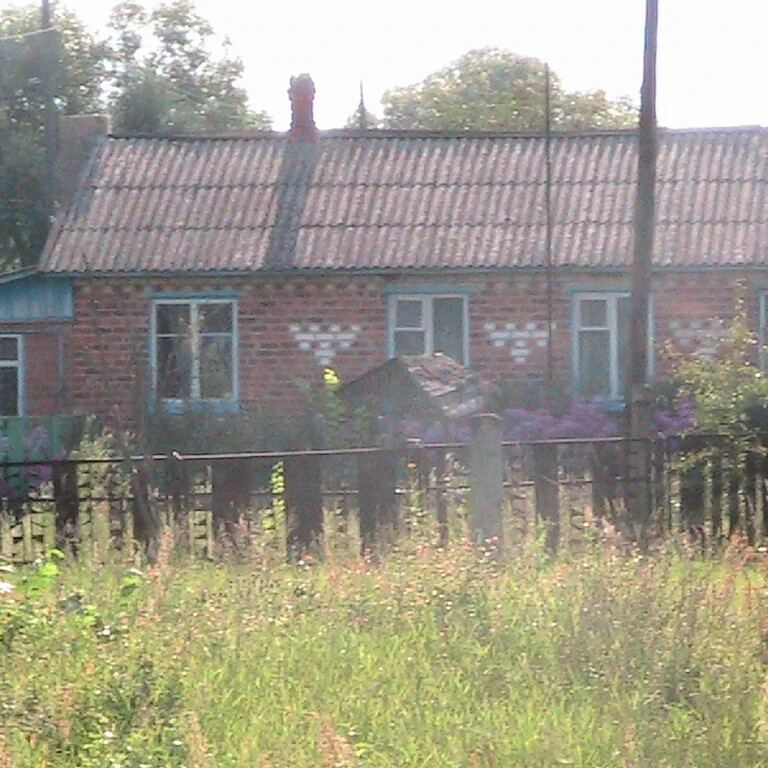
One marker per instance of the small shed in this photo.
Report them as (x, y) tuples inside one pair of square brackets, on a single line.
[(424, 390)]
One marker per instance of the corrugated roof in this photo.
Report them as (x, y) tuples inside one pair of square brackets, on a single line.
[(409, 201)]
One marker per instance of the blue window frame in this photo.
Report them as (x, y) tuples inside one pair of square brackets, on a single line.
[(194, 350)]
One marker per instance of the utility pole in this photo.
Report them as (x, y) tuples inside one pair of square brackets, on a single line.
[(48, 53), (637, 375)]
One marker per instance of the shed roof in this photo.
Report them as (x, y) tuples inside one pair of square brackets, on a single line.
[(394, 201), (434, 386)]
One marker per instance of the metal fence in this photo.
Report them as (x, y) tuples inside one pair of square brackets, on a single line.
[(564, 490)]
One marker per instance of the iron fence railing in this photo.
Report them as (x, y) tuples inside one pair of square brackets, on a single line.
[(704, 485)]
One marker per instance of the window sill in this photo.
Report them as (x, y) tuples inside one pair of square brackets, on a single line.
[(181, 407), (609, 405)]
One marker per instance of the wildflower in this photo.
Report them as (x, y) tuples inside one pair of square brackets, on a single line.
[(5, 587)]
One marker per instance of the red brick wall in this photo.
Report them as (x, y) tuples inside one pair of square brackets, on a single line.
[(284, 320), (690, 310), (44, 386)]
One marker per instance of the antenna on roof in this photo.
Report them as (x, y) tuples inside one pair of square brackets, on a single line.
[(362, 112), (548, 214)]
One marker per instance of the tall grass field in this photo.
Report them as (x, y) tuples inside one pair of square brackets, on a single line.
[(422, 658)]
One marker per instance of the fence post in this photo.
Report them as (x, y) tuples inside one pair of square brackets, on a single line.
[(231, 493), (303, 505), (763, 495), (717, 494), (146, 524), (441, 505), (116, 508), (734, 481), (376, 495), (486, 468), (67, 504), (547, 491), (601, 490), (176, 486), (751, 522), (658, 468), (692, 490)]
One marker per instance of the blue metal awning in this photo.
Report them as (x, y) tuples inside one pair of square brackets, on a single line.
[(27, 296)]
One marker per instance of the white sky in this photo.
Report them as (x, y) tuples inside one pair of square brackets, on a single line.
[(712, 65)]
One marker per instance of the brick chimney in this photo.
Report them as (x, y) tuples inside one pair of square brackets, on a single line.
[(78, 135), (302, 95)]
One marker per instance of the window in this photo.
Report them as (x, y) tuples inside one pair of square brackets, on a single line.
[(11, 379), (601, 344), (194, 349), (425, 324), (763, 329)]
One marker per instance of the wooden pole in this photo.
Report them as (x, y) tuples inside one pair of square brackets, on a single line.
[(67, 505), (644, 205), (441, 469), (376, 497), (637, 378), (303, 506), (48, 60)]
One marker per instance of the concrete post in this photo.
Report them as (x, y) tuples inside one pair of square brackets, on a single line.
[(486, 466)]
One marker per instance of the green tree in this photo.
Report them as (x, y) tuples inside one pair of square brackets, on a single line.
[(168, 77), (159, 72), (78, 77), (493, 89)]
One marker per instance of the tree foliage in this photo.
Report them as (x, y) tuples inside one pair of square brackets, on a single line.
[(493, 89), (167, 76), (78, 61), (729, 391), (159, 72)]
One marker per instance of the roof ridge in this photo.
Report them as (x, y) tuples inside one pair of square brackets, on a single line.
[(381, 133)]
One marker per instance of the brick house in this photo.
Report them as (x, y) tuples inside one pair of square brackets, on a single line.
[(222, 270)]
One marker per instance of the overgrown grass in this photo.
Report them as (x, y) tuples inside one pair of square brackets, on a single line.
[(423, 659)]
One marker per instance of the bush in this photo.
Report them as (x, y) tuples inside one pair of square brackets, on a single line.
[(727, 394)]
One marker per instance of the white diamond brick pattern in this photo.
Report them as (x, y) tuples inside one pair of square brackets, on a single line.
[(521, 338), (324, 340), (699, 337)]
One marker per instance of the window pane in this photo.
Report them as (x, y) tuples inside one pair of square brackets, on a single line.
[(9, 348), (409, 343), (448, 327), (215, 318), (216, 367), (593, 313), (623, 309), (594, 364), (174, 367), (408, 314), (173, 318), (9, 391)]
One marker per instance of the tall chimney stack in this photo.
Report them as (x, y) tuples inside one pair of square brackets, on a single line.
[(302, 95)]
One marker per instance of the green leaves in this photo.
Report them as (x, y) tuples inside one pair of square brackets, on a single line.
[(156, 74), (131, 583), (496, 90), (729, 390), (168, 79)]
